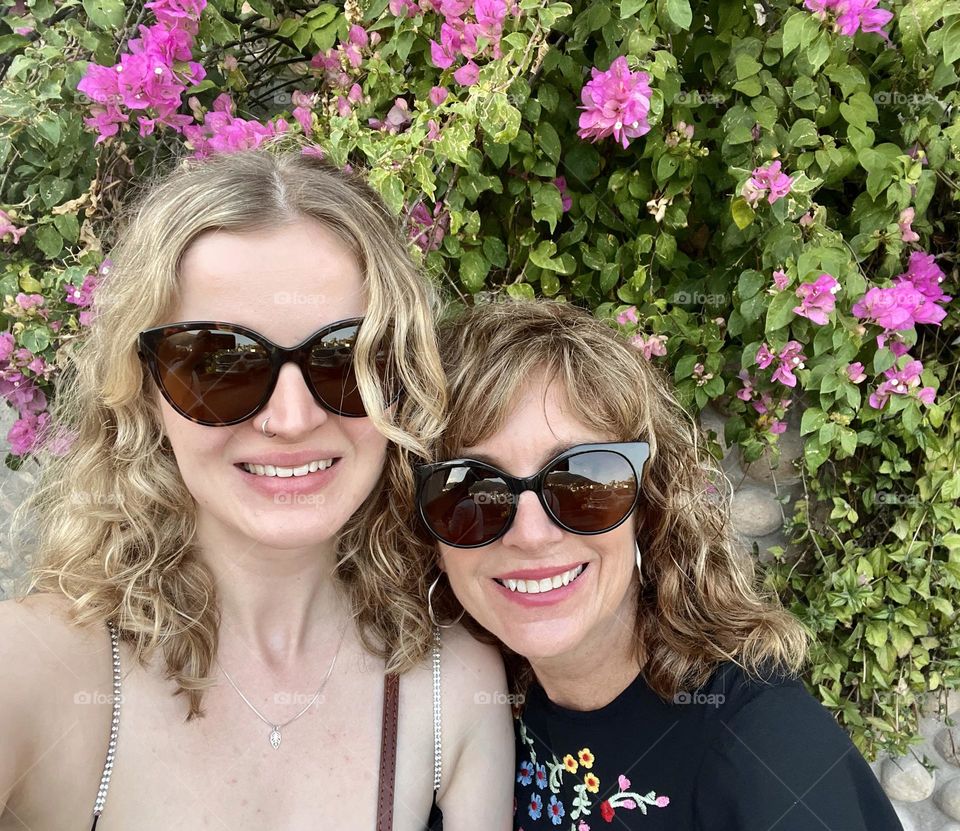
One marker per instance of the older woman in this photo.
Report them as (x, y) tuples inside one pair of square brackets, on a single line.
[(262, 363), (579, 524)]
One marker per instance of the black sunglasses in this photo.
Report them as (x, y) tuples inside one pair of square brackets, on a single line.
[(587, 489), (217, 374)]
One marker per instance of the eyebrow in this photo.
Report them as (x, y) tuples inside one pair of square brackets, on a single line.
[(556, 450)]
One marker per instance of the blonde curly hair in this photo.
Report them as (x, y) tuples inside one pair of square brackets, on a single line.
[(699, 601), (111, 524)]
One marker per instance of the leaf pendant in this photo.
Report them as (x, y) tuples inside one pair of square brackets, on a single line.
[(275, 737)]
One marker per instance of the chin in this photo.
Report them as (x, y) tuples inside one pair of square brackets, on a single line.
[(541, 641)]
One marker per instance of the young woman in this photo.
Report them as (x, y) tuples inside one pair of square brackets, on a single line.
[(219, 592), (578, 523)]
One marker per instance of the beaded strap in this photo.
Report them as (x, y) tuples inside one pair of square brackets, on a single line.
[(114, 727), (437, 732)]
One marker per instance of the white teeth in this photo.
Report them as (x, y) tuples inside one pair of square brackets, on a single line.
[(287, 472), (547, 584)]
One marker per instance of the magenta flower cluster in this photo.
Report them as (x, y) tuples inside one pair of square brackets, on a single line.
[(151, 77), (222, 132), (8, 229), (469, 30), (615, 103), (851, 16), (428, 229), (915, 297), (767, 180), (817, 299), (789, 359)]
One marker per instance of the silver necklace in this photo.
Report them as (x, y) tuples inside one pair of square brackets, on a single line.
[(275, 728)]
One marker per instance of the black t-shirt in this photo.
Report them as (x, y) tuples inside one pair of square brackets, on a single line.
[(739, 754)]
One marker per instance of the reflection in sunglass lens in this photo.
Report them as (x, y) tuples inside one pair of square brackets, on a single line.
[(466, 505), (591, 491), (332, 373), (213, 375)]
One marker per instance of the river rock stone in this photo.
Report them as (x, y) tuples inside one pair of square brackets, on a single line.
[(948, 799), (755, 512), (906, 779), (947, 743)]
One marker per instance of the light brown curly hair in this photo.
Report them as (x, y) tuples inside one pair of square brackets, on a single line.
[(111, 524), (699, 601)]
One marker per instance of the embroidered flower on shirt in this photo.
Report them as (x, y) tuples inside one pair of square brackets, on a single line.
[(555, 810), (541, 777), (535, 808), (586, 758), (606, 811), (570, 763), (525, 776), (592, 783)]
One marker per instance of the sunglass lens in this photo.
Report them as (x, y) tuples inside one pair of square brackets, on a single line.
[(212, 375), (332, 373), (591, 491), (466, 505)]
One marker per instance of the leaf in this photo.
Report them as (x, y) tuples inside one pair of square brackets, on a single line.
[(628, 8), (741, 212), (813, 419), (105, 14), (780, 312), (547, 140), (49, 241), (473, 270), (798, 32), (68, 226), (951, 43), (547, 204), (750, 283), (679, 13)]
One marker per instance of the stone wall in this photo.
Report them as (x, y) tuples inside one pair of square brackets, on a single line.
[(925, 799)]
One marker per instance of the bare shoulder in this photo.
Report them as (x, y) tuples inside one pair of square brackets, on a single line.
[(469, 665), (44, 655)]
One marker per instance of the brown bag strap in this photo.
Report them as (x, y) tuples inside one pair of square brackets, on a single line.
[(388, 751)]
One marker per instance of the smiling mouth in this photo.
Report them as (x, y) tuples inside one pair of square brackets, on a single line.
[(547, 584), (277, 471)]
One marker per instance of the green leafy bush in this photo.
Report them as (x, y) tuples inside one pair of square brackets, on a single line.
[(767, 148)]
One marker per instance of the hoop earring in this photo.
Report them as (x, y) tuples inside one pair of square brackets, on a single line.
[(263, 428), (433, 617), (636, 545)]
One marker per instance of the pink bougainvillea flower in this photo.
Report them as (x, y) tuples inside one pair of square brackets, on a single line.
[(222, 132), (907, 234), (851, 16), (428, 229), (791, 358), (628, 315), (650, 347), (468, 74), (438, 95), (566, 201), (780, 279), (8, 229), (766, 180), (764, 356), (855, 372), (902, 382), (817, 299), (615, 103), (925, 276), (898, 308), (746, 393), (403, 8)]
